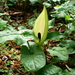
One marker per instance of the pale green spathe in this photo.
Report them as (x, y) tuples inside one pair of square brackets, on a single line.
[(41, 26)]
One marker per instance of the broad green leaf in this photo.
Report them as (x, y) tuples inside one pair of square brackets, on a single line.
[(71, 27), (62, 53), (56, 0), (51, 23), (69, 44), (33, 58), (55, 35), (72, 61), (1, 14), (21, 28), (34, 1), (67, 17), (2, 24), (20, 37), (46, 4), (62, 14), (49, 70), (64, 10), (66, 72), (31, 21), (56, 59), (41, 27)]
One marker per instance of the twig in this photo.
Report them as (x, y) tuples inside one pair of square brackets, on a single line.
[(68, 67)]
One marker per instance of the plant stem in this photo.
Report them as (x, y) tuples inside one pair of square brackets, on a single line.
[(68, 68)]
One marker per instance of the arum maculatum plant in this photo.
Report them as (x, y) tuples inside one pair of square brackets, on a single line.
[(40, 29), (32, 56)]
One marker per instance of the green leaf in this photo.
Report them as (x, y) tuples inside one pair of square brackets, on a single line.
[(56, 59), (69, 44), (21, 28), (62, 53), (31, 21), (33, 58), (66, 72), (55, 35), (56, 0), (2, 24), (67, 17), (49, 70), (4, 71), (71, 27), (72, 61), (62, 14), (51, 23), (19, 36), (46, 4), (65, 9), (1, 14), (40, 29), (34, 1)]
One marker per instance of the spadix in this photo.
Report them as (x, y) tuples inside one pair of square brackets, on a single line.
[(40, 29)]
